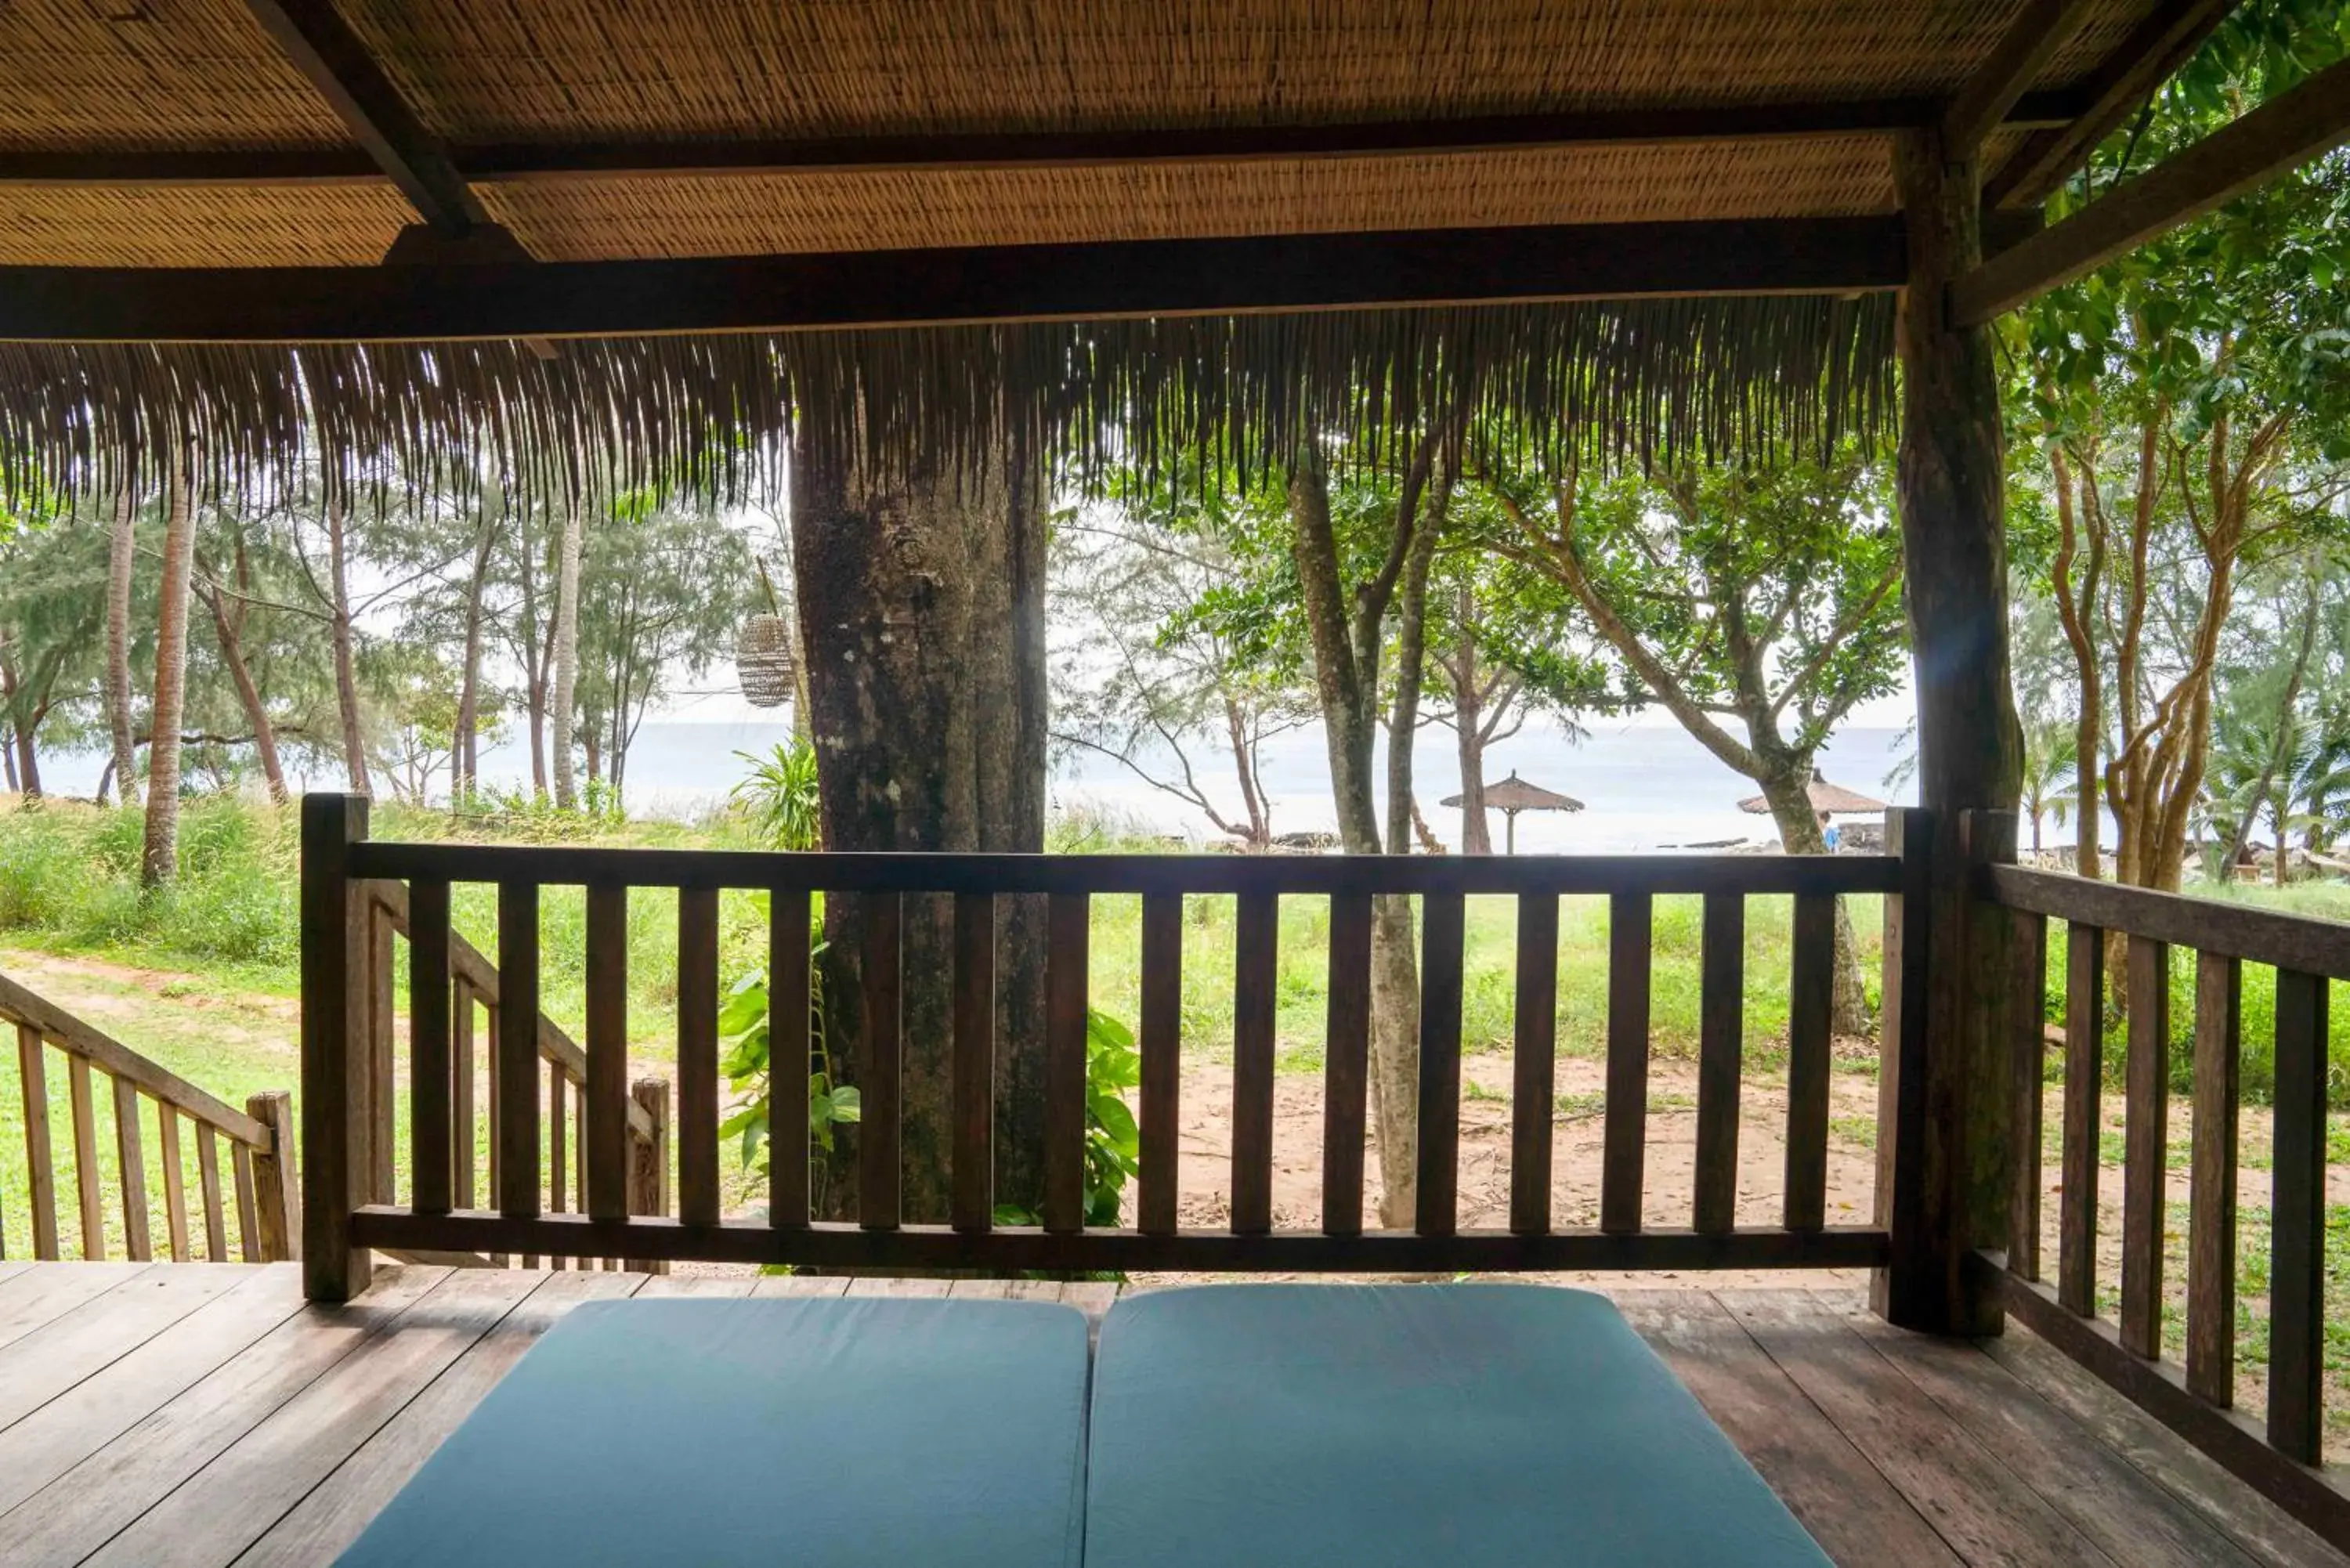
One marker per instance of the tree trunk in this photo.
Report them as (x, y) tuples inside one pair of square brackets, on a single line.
[(248, 695), (27, 758), (1786, 790), (121, 557), (464, 745), (1950, 1197), (1469, 726), (347, 687), (1345, 674), (923, 606), (160, 861), (567, 657), (9, 763)]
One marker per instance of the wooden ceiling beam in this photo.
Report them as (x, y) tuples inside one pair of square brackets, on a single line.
[(2280, 134), (2159, 45), (2033, 40), (431, 302), (322, 45), (539, 162)]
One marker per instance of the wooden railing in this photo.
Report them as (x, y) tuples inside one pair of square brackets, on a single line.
[(342, 1064), (475, 997), (259, 1139), (2196, 1396)]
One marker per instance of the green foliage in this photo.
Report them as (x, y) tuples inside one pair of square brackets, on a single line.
[(778, 795), (1113, 1140), (744, 1022)]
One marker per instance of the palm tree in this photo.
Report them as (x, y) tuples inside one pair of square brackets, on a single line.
[(2049, 775)]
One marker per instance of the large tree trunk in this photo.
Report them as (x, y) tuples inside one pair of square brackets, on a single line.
[(1952, 1199), (922, 618), (226, 630), (347, 687), (160, 861), (1786, 791), (567, 657), (465, 745), (121, 557), (1469, 727), (20, 729)]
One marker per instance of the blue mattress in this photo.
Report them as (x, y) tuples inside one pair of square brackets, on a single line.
[(1457, 1426), (828, 1434)]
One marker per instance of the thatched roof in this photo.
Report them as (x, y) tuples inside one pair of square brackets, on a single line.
[(1514, 794), (1826, 798), (598, 131)]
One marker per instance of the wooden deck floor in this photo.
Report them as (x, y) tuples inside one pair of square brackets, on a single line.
[(198, 1414)]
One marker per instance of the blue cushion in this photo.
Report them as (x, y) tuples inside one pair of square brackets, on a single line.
[(827, 1433), (1460, 1426)]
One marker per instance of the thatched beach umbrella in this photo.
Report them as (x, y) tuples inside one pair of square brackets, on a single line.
[(1512, 795)]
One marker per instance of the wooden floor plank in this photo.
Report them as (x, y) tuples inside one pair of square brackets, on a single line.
[(38, 1297), (331, 1517), (1858, 1516), (2263, 1530), (230, 1504), (72, 1427), (63, 1351), (887, 1287), (820, 1285), (84, 1508), (696, 1285), (2106, 1497), (980, 1290), (1973, 1499)]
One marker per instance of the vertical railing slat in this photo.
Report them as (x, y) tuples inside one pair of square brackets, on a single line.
[(383, 1070), (431, 1159), (1161, 1042), (40, 1154), (1069, 919), (697, 1056), (2297, 1221), (789, 911), (208, 1188), (2146, 1145), (1346, 1063), (1721, 1017), (137, 1237), (606, 1149), (2084, 1055), (87, 1187), (175, 1181), (1811, 1009), (973, 1167), (1254, 956), (2029, 1039), (1534, 1069), (1622, 1154), (463, 1131), (558, 1146), (1442, 922), (248, 1215), (648, 1160), (515, 1099), (2211, 1194)]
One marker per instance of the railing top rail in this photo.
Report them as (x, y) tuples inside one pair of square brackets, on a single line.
[(112, 1056), (1300, 874), (2301, 942)]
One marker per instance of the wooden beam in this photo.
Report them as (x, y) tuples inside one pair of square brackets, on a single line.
[(947, 286), (322, 45), (2161, 44), (2042, 28), (534, 162), (2283, 133)]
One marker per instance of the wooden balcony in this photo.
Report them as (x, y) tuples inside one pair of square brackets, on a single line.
[(194, 1415)]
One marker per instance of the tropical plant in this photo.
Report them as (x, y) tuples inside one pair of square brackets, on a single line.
[(2049, 753), (779, 795), (744, 1021), (1113, 1141)]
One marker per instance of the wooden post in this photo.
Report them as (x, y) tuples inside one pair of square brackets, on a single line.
[(337, 1068), (1899, 1290), (649, 1159), (276, 1199), (1971, 748)]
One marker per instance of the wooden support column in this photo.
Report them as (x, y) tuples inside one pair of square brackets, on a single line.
[(338, 1074), (1970, 747)]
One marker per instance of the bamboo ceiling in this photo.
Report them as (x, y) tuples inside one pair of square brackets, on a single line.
[(81, 79)]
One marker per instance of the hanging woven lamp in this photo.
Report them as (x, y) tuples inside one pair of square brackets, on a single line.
[(763, 653)]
